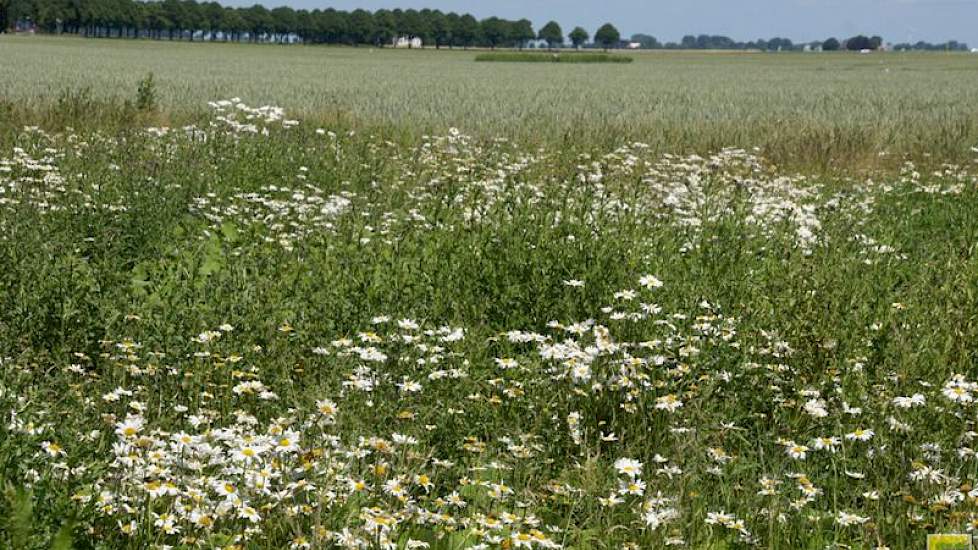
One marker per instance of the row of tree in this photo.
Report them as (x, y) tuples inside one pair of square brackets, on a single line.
[(713, 42), (855, 43), (951, 46), (190, 20)]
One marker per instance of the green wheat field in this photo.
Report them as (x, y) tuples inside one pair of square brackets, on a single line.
[(308, 297)]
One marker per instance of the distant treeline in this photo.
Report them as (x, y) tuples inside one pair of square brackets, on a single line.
[(191, 20), (855, 43)]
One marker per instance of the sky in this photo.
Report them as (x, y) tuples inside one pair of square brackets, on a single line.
[(668, 20)]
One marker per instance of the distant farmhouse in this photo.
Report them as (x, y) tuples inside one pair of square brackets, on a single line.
[(407, 42)]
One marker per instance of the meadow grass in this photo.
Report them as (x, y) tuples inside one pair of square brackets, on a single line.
[(267, 327), (553, 57), (827, 112)]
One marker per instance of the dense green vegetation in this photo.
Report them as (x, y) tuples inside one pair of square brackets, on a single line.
[(470, 306), (190, 20)]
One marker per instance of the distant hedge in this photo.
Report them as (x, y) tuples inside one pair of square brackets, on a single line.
[(553, 57)]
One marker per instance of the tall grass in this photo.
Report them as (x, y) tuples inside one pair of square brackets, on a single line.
[(390, 326), (809, 111), (354, 325), (553, 57)]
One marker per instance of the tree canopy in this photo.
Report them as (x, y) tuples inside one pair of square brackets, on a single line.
[(860, 42), (193, 20), (4, 23), (831, 45), (607, 36), (578, 36), (552, 33)]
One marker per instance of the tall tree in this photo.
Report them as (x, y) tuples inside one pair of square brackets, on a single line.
[(858, 43), (779, 44), (424, 26), (359, 27), (440, 27), (831, 45), (385, 28), (191, 17), (51, 15), (303, 25), (283, 22), (467, 31), (214, 16), (494, 31), (521, 32), (259, 22), (446, 31), (552, 33), (578, 37), (172, 15), (608, 36), (4, 18), (233, 23), (415, 25), (333, 26)]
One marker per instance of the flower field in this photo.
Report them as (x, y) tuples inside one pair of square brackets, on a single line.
[(256, 330)]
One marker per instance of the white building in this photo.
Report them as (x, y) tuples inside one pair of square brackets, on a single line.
[(407, 42)]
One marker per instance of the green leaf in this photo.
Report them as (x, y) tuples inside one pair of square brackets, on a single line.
[(20, 524), (63, 540), (229, 231), (213, 260)]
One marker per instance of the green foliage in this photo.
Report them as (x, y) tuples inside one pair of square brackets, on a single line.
[(607, 36), (146, 99), (63, 539), (578, 36), (22, 528), (861, 42), (552, 33), (19, 521), (191, 20), (74, 104)]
